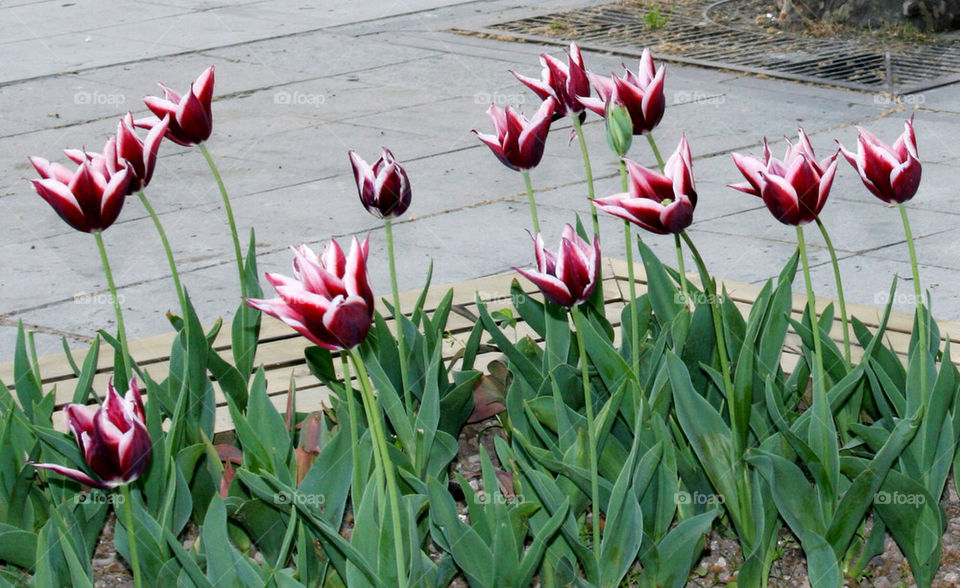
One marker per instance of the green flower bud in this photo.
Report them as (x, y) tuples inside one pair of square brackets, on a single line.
[(619, 127)]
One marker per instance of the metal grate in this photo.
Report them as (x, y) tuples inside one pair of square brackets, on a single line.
[(692, 36)]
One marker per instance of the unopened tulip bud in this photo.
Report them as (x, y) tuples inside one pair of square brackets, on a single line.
[(619, 127)]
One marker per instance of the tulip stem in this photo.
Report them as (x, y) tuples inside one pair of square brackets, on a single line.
[(166, 248), (533, 202), (819, 383), (687, 302), (121, 330), (843, 304), (230, 219), (656, 151), (131, 535), (710, 290), (578, 319), (354, 431), (379, 437), (589, 171), (398, 316), (918, 294), (634, 317)]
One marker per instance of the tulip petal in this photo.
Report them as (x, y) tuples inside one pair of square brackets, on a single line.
[(348, 321), (552, 287), (73, 474), (63, 202)]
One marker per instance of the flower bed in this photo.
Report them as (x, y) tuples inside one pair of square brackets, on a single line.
[(638, 412)]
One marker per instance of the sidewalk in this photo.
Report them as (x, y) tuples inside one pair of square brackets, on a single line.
[(297, 86)]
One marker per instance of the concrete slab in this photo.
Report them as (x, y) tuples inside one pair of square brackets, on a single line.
[(298, 86)]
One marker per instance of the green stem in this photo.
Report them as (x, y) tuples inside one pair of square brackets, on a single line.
[(709, 289), (586, 165), (121, 330), (819, 382), (354, 430), (166, 248), (578, 319), (131, 535), (229, 209), (380, 444), (634, 317), (921, 311), (397, 315), (843, 303), (656, 152), (687, 302), (533, 202)]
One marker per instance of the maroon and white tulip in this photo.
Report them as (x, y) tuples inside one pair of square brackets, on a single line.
[(640, 93), (892, 174), (569, 276), (795, 189), (564, 82), (519, 142), (191, 117), (328, 300), (384, 187), (89, 198), (112, 438), (658, 203), (127, 150)]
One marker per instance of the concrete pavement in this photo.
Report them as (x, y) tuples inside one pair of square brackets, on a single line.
[(300, 83)]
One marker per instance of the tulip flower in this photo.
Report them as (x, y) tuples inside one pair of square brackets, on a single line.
[(191, 119), (126, 149), (88, 199), (640, 93), (658, 203), (519, 142), (112, 438), (564, 82), (891, 173), (328, 300), (569, 277), (384, 187), (794, 189)]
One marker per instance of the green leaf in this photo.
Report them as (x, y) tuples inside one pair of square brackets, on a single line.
[(245, 330), (216, 545), (26, 384), (18, 547), (709, 436), (465, 544), (680, 549), (661, 290), (623, 532), (85, 378), (523, 366)]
